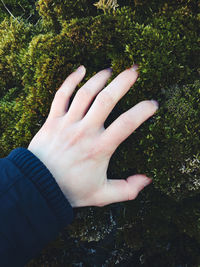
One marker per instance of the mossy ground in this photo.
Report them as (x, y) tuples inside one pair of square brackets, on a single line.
[(162, 226)]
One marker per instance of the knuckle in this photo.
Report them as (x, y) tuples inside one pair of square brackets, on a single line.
[(127, 121), (72, 78), (100, 202), (94, 153), (76, 137), (84, 93), (100, 205), (70, 81), (98, 154), (59, 93), (74, 140), (132, 195), (105, 98)]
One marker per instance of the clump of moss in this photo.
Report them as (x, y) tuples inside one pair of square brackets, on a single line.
[(162, 37), (171, 149)]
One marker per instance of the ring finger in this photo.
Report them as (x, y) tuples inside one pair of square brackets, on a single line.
[(108, 98), (86, 94)]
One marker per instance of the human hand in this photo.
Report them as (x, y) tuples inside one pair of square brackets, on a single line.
[(76, 148)]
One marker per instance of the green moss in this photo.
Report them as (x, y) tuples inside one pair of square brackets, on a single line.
[(171, 149), (162, 224), (19, 9)]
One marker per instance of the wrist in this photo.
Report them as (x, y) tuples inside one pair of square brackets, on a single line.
[(35, 170)]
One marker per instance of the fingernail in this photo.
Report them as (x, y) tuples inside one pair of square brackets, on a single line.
[(145, 181), (135, 67), (80, 69), (156, 104), (110, 69)]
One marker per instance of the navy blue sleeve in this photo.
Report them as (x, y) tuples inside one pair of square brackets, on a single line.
[(33, 208)]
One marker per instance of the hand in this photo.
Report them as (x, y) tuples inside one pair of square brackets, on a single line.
[(76, 148)]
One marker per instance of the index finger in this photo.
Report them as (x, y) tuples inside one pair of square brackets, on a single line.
[(127, 123), (108, 97)]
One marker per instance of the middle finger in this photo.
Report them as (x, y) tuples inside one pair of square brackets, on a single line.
[(108, 98)]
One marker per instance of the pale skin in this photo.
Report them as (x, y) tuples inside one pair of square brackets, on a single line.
[(76, 148)]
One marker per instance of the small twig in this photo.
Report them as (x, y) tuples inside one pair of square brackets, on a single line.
[(29, 17), (21, 6), (22, 15), (8, 10), (37, 21)]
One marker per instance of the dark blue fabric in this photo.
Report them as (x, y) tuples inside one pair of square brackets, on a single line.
[(29, 218)]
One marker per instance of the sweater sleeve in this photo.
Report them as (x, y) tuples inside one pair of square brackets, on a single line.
[(33, 208)]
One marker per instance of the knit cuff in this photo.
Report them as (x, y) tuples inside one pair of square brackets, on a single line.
[(35, 170)]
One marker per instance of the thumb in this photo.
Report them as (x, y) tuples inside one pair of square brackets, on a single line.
[(123, 190)]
